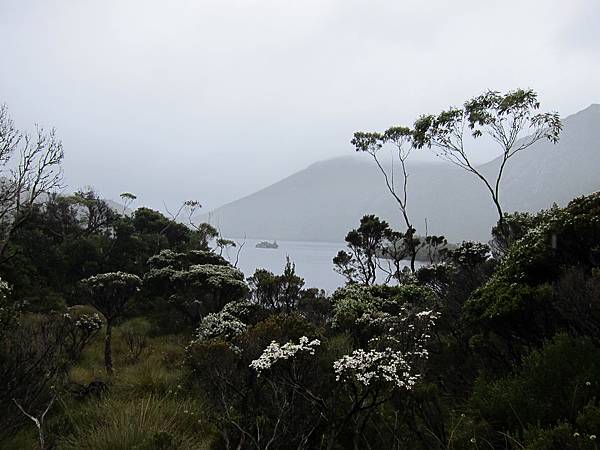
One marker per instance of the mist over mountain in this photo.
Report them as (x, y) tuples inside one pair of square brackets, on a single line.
[(325, 200)]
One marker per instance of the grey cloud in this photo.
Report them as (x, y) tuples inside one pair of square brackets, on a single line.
[(214, 99)]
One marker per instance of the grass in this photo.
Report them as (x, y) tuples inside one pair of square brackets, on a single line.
[(150, 423), (143, 408), (158, 370)]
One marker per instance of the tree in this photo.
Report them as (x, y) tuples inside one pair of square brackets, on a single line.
[(30, 168), (396, 248), (366, 245), (205, 288), (279, 293), (436, 245), (109, 294), (511, 120), (204, 232), (194, 283), (401, 140), (223, 244), (128, 198), (94, 213)]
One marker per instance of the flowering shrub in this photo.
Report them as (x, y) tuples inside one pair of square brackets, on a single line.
[(113, 280), (221, 324), (469, 254), (275, 352), (77, 330), (394, 353), (8, 310), (228, 323), (405, 337), (372, 365), (109, 293), (85, 322), (245, 311), (352, 302), (198, 289), (179, 261), (165, 258)]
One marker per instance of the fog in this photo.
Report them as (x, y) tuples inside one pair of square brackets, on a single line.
[(212, 100)]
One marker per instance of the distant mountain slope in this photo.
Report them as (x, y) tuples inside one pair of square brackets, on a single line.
[(325, 200)]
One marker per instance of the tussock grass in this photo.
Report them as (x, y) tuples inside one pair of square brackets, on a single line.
[(158, 371), (153, 422)]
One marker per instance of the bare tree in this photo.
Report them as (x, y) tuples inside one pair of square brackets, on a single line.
[(30, 168), (240, 247), (208, 230), (38, 421)]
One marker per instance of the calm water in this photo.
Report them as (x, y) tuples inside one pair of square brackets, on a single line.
[(313, 260)]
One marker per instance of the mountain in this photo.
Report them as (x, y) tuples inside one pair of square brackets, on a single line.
[(325, 200)]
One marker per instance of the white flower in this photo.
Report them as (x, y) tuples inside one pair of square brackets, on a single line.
[(274, 352), (219, 324), (368, 366)]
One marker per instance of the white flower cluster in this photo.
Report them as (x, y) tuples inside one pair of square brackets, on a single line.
[(405, 342), (370, 366), (221, 324), (275, 352), (89, 323), (113, 279), (374, 319), (409, 332), (85, 321), (4, 289)]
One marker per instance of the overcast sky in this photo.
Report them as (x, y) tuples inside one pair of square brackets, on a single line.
[(213, 99)]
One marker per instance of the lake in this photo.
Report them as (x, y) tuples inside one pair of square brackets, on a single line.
[(313, 260)]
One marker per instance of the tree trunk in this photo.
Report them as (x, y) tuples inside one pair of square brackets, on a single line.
[(410, 233), (108, 348)]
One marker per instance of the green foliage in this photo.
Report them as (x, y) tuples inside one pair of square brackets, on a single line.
[(36, 354), (277, 293), (520, 290), (552, 385), (135, 335), (365, 243), (150, 222), (469, 254), (194, 283), (353, 304), (109, 292)]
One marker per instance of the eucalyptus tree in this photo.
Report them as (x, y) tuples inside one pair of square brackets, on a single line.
[(401, 141), (109, 294), (128, 198), (511, 120)]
